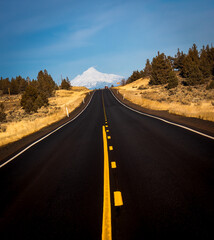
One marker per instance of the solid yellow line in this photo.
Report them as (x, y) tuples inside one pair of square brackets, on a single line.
[(106, 225), (118, 201)]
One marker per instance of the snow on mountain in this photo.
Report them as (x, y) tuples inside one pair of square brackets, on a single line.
[(92, 78)]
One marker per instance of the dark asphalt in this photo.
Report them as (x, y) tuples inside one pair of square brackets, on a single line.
[(55, 189), (165, 174)]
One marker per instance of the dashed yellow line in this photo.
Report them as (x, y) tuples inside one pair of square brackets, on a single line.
[(113, 165), (106, 225), (110, 148), (118, 201)]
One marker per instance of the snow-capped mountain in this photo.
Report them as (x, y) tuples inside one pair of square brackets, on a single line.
[(92, 78)]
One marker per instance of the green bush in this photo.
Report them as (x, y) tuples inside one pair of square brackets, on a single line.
[(172, 80), (32, 100)]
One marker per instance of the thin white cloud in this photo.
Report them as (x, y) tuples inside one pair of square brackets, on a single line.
[(87, 26), (72, 40), (61, 43)]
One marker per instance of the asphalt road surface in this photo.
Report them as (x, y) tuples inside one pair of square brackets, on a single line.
[(165, 174)]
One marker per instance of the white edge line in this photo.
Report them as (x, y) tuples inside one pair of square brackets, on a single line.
[(39, 140), (163, 120)]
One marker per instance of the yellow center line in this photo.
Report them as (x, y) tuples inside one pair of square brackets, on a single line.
[(113, 165), (110, 148), (106, 225), (104, 108), (118, 201)]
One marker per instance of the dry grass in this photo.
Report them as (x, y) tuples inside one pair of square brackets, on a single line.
[(182, 100), (20, 124)]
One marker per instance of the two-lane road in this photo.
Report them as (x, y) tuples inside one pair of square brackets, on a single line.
[(54, 190)]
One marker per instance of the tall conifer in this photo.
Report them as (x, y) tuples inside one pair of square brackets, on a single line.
[(162, 72), (190, 69), (205, 63), (147, 70)]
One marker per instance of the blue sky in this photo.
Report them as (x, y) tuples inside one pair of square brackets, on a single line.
[(116, 36)]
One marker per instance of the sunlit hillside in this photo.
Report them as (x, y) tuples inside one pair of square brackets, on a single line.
[(190, 101), (19, 124)]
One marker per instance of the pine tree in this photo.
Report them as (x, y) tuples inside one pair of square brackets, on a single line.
[(135, 76), (162, 72), (178, 60), (5, 85), (45, 83), (65, 84), (193, 54), (22, 84), (191, 67), (205, 64), (210, 55), (147, 70), (14, 87)]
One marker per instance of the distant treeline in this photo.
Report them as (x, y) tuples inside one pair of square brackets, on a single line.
[(13, 86), (19, 84), (35, 93), (195, 67)]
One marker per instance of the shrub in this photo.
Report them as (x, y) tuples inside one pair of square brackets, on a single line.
[(2, 113), (210, 85), (65, 84), (31, 100), (172, 80)]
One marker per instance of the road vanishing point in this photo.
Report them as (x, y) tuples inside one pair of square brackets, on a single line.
[(111, 173)]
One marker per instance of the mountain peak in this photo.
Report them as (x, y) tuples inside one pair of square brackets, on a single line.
[(91, 78), (91, 69)]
